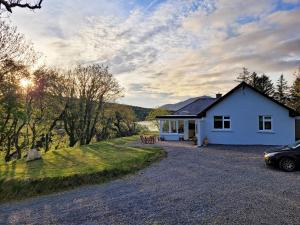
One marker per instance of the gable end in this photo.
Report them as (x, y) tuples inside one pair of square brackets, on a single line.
[(292, 113)]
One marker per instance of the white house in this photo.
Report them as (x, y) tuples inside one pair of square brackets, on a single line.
[(243, 116)]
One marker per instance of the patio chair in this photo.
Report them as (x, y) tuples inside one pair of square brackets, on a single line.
[(142, 139)]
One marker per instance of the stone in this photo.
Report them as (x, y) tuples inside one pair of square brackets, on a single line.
[(33, 154)]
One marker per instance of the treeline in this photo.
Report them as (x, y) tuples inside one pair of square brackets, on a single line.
[(40, 107), (281, 91)]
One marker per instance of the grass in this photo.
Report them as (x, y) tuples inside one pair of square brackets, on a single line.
[(70, 167)]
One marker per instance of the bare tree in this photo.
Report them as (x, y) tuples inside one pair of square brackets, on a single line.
[(243, 76), (9, 4), (14, 46)]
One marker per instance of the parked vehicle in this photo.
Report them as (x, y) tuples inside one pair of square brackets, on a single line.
[(286, 158)]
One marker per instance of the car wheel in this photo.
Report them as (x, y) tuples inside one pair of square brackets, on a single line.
[(287, 164)]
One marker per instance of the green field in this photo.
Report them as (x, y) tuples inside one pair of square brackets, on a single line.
[(69, 167)]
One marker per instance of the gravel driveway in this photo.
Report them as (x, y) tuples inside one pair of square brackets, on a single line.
[(212, 185)]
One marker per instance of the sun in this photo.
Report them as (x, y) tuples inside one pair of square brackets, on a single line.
[(25, 83)]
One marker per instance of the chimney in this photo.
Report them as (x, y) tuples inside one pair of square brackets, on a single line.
[(219, 95)]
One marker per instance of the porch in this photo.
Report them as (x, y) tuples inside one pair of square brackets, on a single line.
[(181, 128)]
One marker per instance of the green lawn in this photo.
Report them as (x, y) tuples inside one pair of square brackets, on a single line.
[(70, 167)]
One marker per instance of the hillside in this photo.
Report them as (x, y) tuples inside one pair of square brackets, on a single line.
[(140, 112)]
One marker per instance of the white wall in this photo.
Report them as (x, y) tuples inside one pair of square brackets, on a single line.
[(244, 107), (171, 137)]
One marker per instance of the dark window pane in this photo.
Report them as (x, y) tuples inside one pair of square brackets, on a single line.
[(180, 126), (173, 127), (227, 124), (261, 127), (226, 117), (268, 125), (218, 122)]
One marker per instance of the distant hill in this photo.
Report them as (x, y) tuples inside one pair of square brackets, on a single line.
[(140, 112)]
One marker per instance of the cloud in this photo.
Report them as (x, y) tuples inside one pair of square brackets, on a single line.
[(165, 51)]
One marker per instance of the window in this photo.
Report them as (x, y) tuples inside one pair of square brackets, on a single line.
[(173, 126), (218, 122), (180, 126), (226, 121), (169, 126), (265, 123), (222, 122), (165, 126)]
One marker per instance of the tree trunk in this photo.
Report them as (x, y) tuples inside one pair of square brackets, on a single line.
[(72, 140), (33, 138), (7, 155)]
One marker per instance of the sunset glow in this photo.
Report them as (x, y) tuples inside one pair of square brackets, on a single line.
[(169, 50), (25, 83)]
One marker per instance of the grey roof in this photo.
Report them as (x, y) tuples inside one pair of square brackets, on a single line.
[(196, 106), (176, 106)]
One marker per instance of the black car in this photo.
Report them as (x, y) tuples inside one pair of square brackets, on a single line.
[(286, 158)]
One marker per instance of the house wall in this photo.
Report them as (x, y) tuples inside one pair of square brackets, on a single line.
[(201, 132), (171, 137), (244, 107)]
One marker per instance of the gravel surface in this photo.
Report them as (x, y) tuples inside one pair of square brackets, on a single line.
[(211, 185)]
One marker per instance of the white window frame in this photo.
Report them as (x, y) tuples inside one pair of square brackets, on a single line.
[(223, 123), (263, 122), (169, 121)]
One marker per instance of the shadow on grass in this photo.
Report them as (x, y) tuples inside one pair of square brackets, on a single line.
[(10, 169), (14, 189)]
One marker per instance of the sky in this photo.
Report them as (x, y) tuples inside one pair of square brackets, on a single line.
[(164, 51)]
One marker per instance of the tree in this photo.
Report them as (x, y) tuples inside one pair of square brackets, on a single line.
[(295, 92), (282, 90), (253, 79), (9, 4), (117, 121), (46, 105), (87, 89), (156, 112), (14, 46), (244, 76), (124, 121), (12, 108), (15, 57), (263, 83)]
